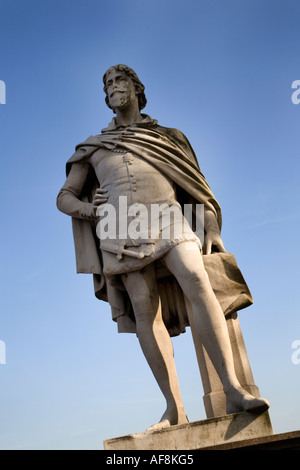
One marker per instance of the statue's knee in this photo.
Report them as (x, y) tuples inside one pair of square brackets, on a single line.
[(196, 284)]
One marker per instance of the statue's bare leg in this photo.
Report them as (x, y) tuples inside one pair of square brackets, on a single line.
[(187, 266), (155, 341)]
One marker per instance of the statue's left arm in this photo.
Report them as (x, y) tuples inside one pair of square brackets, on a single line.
[(212, 233), (211, 224)]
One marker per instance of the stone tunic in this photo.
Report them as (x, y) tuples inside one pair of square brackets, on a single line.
[(141, 157), (141, 233)]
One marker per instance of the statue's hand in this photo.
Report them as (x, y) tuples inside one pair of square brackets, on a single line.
[(213, 238), (100, 197)]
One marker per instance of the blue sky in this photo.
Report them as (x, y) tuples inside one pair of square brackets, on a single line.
[(219, 71)]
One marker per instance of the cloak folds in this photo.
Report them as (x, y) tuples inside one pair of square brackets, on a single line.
[(170, 152)]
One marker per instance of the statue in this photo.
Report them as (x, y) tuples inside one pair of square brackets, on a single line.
[(147, 278)]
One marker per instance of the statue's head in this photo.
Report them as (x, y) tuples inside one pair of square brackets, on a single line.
[(135, 80)]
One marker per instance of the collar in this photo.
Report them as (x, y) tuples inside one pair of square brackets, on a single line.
[(146, 120)]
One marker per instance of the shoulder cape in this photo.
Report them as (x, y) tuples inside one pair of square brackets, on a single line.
[(171, 153)]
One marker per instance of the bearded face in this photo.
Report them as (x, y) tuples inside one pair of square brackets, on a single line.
[(121, 90)]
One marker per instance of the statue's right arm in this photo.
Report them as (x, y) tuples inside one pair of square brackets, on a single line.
[(68, 198)]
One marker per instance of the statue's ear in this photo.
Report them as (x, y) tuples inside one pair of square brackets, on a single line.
[(138, 89)]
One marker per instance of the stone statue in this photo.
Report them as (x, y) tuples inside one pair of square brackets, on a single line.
[(148, 278)]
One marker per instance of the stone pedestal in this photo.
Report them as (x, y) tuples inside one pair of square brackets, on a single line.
[(219, 430), (198, 435), (214, 397), (283, 441)]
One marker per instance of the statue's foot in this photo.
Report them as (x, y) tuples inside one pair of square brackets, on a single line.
[(165, 423), (240, 400), (171, 417)]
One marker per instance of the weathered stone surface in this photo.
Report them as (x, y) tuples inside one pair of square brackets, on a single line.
[(283, 441), (155, 170), (199, 434)]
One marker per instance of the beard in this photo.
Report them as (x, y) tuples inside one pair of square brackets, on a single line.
[(120, 100), (123, 102)]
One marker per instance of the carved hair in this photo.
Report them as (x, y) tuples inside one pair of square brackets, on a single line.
[(138, 84)]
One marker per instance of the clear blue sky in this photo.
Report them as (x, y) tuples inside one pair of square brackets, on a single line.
[(220, 71)]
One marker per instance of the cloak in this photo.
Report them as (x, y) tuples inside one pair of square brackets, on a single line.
[(171, 153)]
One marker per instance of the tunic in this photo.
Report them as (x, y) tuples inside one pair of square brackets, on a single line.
[(146, 160), (146, 220)]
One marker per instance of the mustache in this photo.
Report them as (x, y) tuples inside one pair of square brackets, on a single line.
[(116, 91)]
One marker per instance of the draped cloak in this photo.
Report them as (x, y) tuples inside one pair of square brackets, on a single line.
[(170, 152)]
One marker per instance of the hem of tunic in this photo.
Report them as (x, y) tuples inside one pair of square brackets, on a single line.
[(128, 264)]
